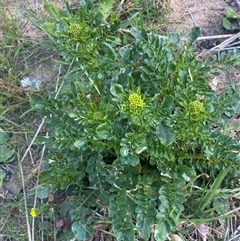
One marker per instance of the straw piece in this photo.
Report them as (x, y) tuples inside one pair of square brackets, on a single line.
[(226, 42)]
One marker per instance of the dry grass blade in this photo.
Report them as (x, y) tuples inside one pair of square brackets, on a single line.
[(225, 43)]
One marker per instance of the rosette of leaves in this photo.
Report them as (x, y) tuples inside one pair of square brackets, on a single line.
[(130, 136)]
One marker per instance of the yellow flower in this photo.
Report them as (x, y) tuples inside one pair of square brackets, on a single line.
[(135, 102), (33, 213)]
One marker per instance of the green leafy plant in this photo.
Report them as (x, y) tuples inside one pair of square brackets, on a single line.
[(133, 126), (232, 20), (6, 154)]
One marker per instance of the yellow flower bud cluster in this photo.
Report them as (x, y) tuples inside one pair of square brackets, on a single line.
[(135, 102), (75, 30), (98, 116), (196, 108)]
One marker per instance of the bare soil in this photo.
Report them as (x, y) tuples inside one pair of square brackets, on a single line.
[(206, 14)]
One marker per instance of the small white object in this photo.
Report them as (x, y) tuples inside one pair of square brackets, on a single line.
[(31, 82)]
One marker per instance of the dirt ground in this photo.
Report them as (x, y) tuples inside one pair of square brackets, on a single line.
[(206, 14)]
